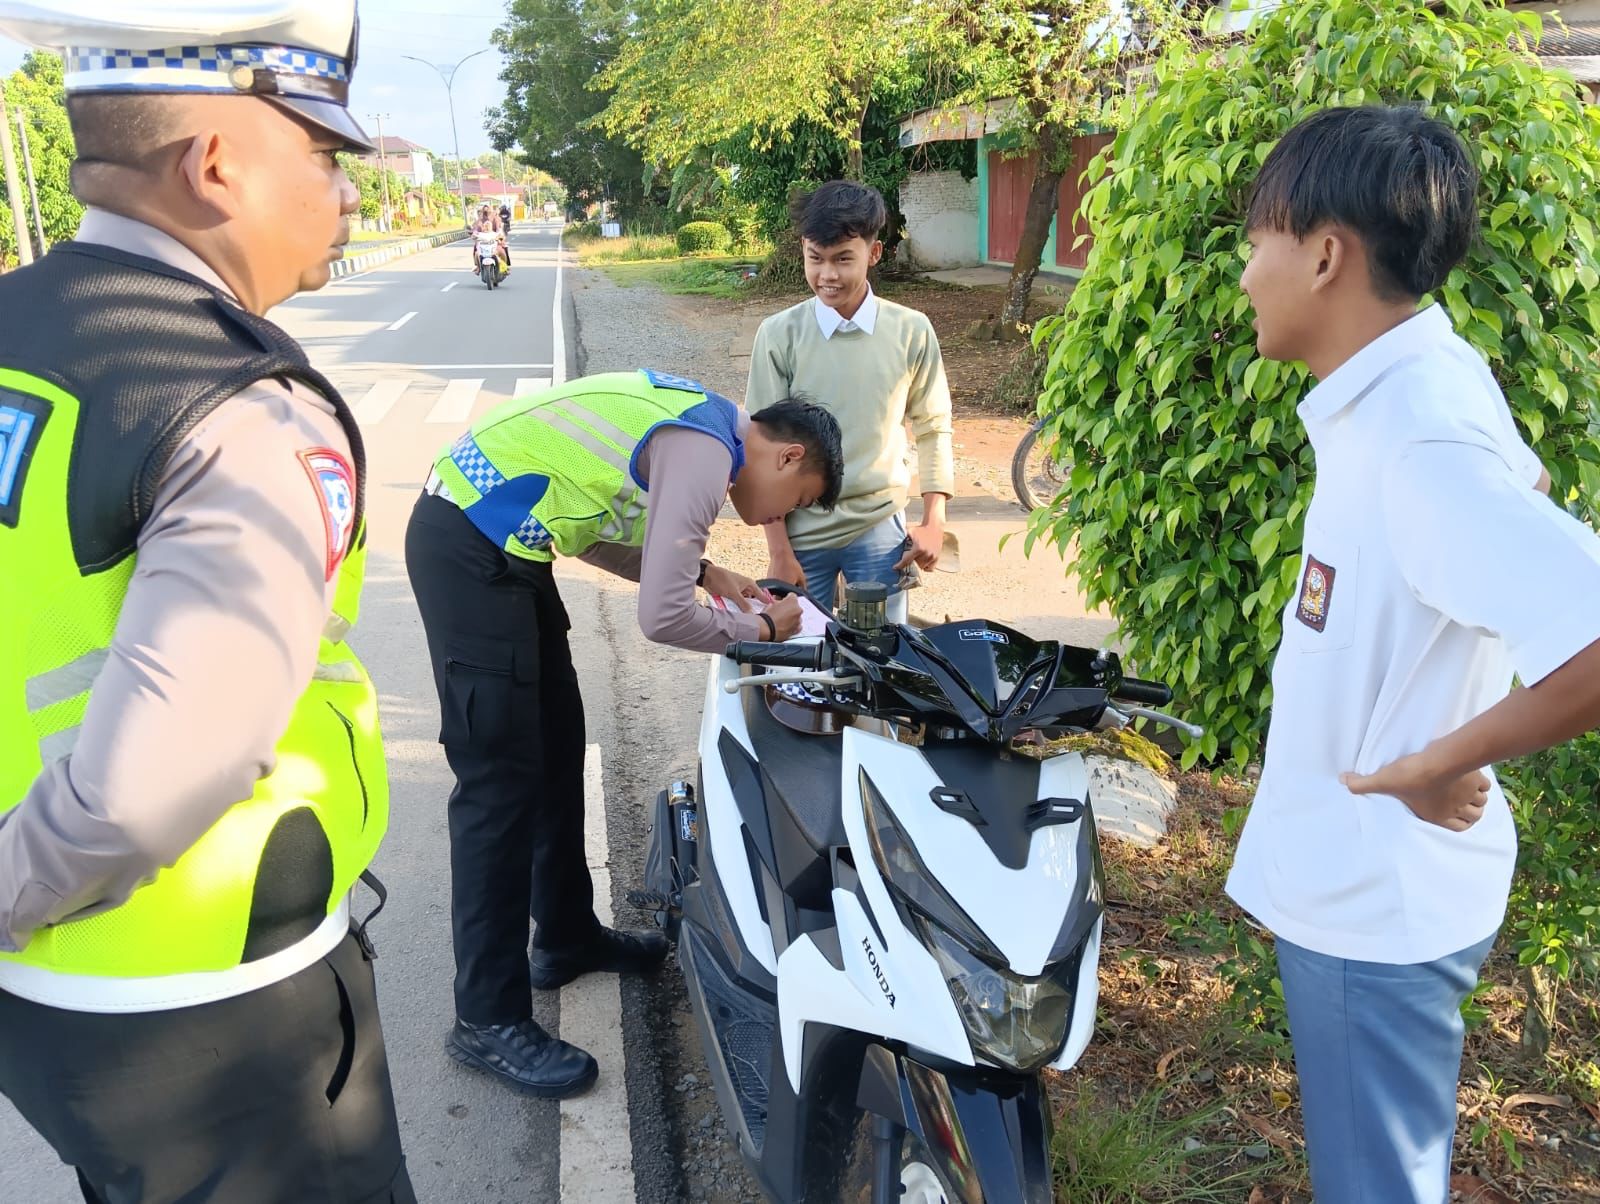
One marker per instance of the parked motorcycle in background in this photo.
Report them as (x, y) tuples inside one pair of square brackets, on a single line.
[(888, 918), (1036, 475)]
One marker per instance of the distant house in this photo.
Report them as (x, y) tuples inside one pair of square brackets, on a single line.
[(481, 182), (406, 159), (954, 222)]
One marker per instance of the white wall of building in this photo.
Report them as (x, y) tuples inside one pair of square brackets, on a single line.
[(941, 212)]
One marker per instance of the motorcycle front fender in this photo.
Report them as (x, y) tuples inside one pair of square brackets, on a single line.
[(987, 1134)]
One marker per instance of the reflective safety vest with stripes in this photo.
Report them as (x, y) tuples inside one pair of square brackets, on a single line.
[(558, 470), (268, 884)]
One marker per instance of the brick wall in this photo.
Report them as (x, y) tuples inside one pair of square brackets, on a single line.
[(941, 212)]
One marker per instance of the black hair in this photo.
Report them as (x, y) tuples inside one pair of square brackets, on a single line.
[(808, 424), (840, 210), (128, 130), (1401, 180)]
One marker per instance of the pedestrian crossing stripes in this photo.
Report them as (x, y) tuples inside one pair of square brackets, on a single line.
[(453, 402)]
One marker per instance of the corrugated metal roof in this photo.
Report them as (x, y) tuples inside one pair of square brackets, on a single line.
[(1581, 38)]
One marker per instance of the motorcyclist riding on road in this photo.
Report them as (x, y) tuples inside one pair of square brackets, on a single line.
[(487, 219)]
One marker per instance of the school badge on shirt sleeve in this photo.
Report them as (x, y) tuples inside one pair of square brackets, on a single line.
[(1316, 594)]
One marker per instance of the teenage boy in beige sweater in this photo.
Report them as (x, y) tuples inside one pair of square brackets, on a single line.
[(874, 364)]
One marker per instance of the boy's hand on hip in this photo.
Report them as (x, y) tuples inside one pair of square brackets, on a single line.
[(927, 542), (786, 568), (1450, 799)]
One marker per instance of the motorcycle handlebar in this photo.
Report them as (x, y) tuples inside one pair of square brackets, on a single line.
[(1149, 693), (777, 656)]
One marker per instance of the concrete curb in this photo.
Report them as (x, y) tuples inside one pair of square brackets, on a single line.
[(352, 264)]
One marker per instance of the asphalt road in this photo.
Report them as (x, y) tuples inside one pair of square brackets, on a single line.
[(419, 347)]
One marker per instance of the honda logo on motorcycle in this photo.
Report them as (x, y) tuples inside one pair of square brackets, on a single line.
[(877, 970)]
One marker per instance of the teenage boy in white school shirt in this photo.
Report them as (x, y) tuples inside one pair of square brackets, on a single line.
[(1380, 849)]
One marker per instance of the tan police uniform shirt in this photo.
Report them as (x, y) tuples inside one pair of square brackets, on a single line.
[(216, 641), (688, 472)]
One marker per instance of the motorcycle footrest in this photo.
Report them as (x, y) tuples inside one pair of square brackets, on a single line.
[(652, 900)]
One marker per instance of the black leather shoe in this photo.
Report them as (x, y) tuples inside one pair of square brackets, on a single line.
[(611, 952), (526, 1057)]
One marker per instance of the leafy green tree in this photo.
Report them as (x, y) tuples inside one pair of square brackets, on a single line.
[(554, 50), (36, 89), (810, 154), (1553, 919), (369, 184), (697, 73), (1192, 473), (1049, 70), (693, 73)]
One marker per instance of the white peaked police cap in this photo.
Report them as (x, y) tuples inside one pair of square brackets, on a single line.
[(299, 54)]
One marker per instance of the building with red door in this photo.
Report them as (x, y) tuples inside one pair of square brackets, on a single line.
[(952, 221)]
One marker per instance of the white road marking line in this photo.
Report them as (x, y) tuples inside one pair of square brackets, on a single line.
[(558, 348), (449, 286), (403, 321), (455, 403), (530, 384), (380, 399), (596, 1147)]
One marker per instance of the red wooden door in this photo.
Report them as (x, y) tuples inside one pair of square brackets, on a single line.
[(1009, 182), (1069, 216)]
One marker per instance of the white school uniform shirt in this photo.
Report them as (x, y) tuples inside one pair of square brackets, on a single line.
[(830, 321), (1432, 572)]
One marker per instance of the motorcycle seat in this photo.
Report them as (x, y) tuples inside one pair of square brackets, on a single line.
[(804, 771)]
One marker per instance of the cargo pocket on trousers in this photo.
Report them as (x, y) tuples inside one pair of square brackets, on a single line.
[(479, 703)]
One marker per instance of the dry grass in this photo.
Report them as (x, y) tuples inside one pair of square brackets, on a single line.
[(1174, 1058)]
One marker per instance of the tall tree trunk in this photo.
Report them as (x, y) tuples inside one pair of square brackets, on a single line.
[(853, 155), (1042, 199)]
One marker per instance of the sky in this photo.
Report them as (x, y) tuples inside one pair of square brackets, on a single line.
[(409, 95)]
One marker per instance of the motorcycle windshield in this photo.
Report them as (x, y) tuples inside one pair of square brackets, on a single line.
[(996, 680), (990, 661)]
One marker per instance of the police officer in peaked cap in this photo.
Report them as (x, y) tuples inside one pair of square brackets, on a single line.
[(191, 775)]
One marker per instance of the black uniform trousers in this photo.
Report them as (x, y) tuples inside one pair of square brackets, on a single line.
[(511, 722), (278, 1096)]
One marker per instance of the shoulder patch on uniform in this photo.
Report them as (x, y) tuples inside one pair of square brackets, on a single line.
[(665, 380), (335, 482), (1316, 594), (22, 419)]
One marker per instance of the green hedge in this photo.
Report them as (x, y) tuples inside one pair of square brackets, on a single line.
[(1192, 473), (1554, 917), (703, 236)]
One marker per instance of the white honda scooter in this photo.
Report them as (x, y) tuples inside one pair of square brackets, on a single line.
[(888, 920)]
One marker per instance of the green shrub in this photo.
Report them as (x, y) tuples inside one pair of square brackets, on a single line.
[(1192, 472), (695, 237), (1553, 920), (587, 231)]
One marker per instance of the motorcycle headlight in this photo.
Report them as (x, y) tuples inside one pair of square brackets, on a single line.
[(909, 880), (1020, 1023)]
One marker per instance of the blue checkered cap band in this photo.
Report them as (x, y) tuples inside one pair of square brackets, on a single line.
[(219, 61)]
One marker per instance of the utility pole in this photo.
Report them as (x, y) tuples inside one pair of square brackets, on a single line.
[(19, 219), (383, 173), (33, 192)]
